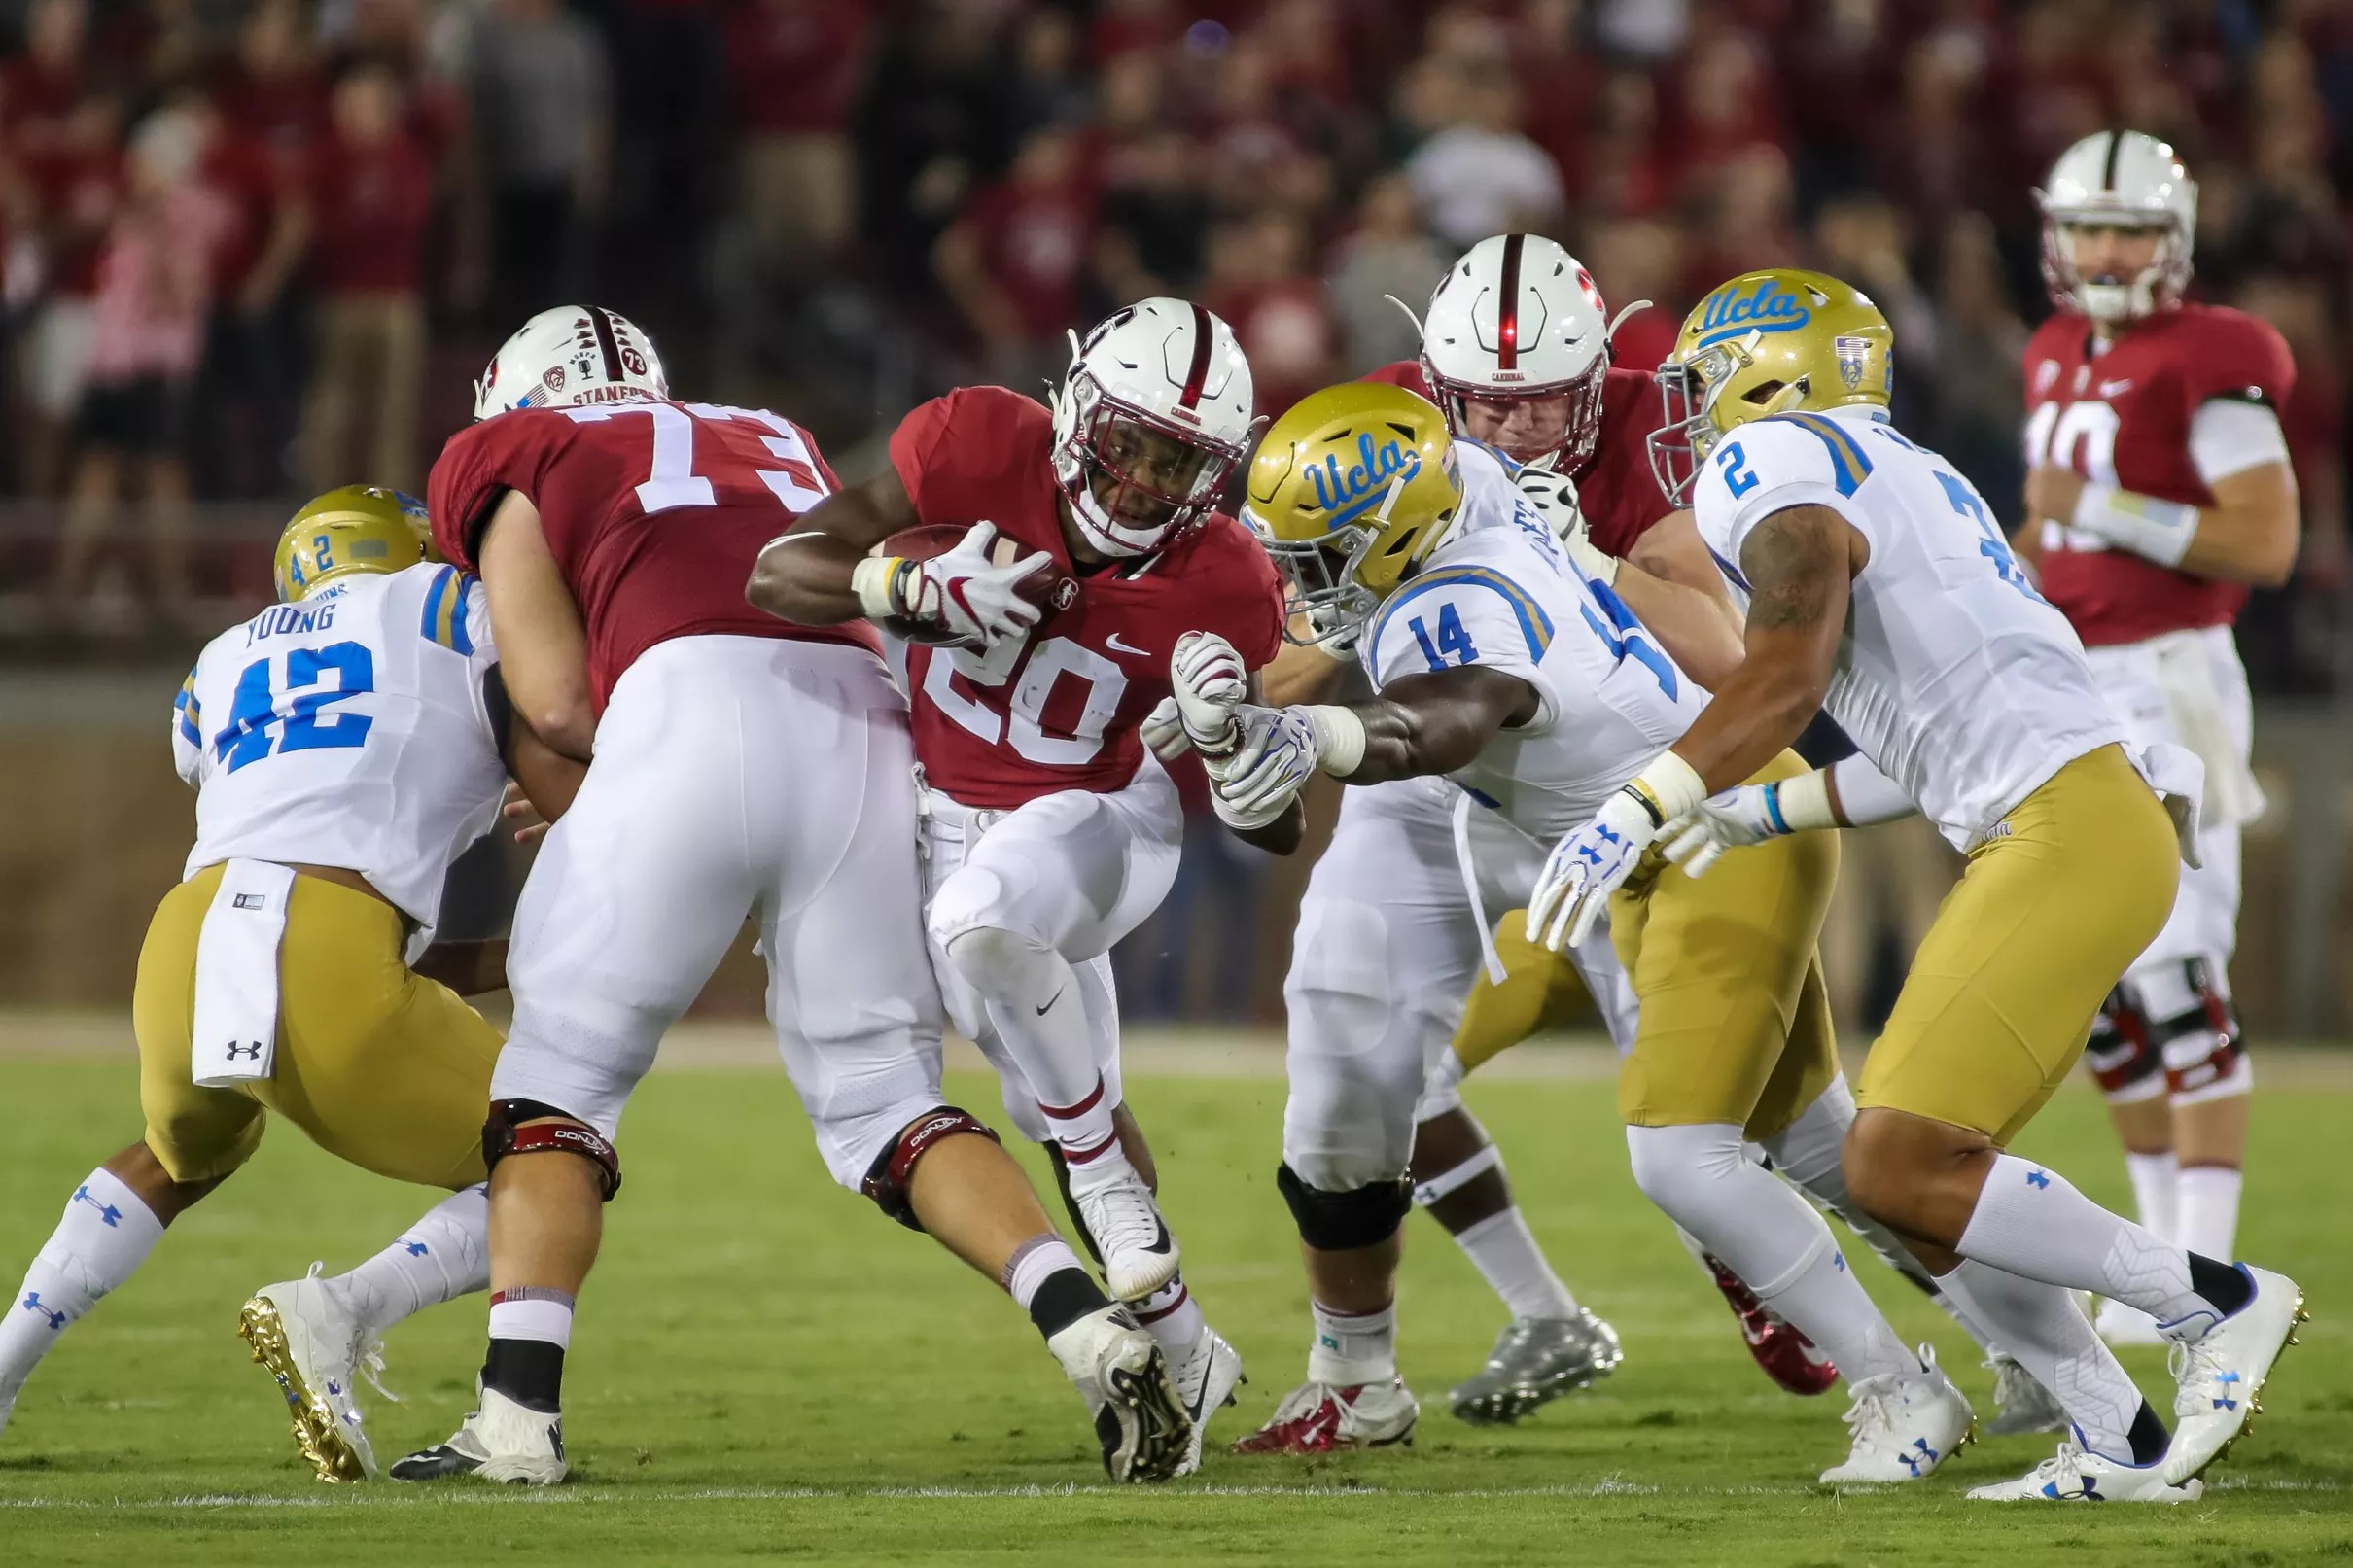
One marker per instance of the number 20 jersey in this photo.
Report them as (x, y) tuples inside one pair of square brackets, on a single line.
[(1499, 592), (1952, 675), (347, 730), (655, 512)]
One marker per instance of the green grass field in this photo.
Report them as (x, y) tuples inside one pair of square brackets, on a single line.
[(767, 1369)]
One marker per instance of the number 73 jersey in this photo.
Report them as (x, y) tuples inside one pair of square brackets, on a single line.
[(1954, 676)]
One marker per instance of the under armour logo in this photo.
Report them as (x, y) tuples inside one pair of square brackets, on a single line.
[(32, 1304), (1587, 852), (2223, 1401), (2037, 1178), (112, 1215), (1606, 836), (252, 1053), (416, 1249), (1922, 1459), (1838, 1261)]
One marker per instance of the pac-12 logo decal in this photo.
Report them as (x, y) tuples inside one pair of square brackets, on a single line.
[(1851, 351)]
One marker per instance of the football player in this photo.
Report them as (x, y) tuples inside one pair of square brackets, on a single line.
[(1539, 691), (1878, 583), (2160, 490), (1049, 829), (741, 765), (346, 745)]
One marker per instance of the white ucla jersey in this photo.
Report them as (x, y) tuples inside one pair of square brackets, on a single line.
[(349, 729), (1953, 674), (1502, 593)]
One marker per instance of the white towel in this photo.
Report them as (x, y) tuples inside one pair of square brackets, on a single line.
[(2194, 702), (236, 1037), (1468, 865), (2179, 777)]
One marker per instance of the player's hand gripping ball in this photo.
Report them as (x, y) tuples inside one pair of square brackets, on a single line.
[(970, 588)]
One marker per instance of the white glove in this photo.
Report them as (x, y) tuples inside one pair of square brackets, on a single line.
[(1746, 813), (1211, 682), (966, 591), (1590, 865), (1272, 762), (1164, 731), (1554, 495)]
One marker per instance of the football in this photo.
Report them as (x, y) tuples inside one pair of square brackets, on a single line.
[(1050, 590)]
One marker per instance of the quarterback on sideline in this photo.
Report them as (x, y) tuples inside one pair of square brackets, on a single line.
[(1878, 586), (742, 767), (1539, 691), (2161, 488), (346, 745), (1049, 830)]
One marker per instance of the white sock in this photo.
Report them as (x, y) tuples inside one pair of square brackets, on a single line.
[(444, 1255), (1353, 1347), (2031, 1220), (1171, 1315), (106, 1234), (1507, 1256), (2208, 1223), (1033, 1264), (1039, 1010), (2042, 1329), (1769, 1235), (2155, 1183), (532, 1315), (1808, 1156)]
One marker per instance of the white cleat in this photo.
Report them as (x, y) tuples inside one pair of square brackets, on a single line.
[(1206, 1373), (1138, 1254), (2219, 1377), (2124, 1326), (1904, 1424), (315, 1347), (2020, 1404), (1120, 1371), (503, 1441), (2075, 1474), (1327, 1418)]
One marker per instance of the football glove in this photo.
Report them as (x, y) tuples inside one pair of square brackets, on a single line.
[(1163, 730), (966, 592), (1748, 814), (1211, 682), (1593, 863)]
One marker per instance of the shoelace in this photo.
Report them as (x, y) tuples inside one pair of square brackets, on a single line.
[(1129, 1217), (1868, 1416), (369, 1362), (2184, 1357), (2067, 1462)]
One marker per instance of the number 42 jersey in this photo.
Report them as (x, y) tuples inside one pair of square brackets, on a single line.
[(1954, 676), (348, 731)]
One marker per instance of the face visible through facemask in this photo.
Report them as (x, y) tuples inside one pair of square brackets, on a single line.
[(1524, 428), (1143, 475), (2111, 252)]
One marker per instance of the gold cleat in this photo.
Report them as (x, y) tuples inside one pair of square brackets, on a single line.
[(336, 1456)]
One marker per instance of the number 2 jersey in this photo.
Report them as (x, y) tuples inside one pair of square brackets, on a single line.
[(1500, 592), (1059, 709), (348, 731), (655, 512), (1954, 676)]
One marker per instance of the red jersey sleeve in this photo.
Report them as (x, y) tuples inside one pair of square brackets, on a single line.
[(2238, 356), (1618, 489), (1406, 374), (481, 463), (953, 452), (1245, 603)]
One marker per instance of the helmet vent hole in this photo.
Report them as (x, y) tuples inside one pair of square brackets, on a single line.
[(1406, 430)]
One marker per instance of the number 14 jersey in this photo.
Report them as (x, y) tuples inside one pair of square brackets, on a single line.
[(655, 512)]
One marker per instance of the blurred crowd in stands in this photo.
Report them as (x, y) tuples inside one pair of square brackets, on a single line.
[(256, 248)]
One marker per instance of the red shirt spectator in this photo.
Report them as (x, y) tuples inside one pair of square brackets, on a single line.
[(251, 182), (793, 66), (1029, 236), (39, 87), (272, 90), (77, 184), (371, 199)]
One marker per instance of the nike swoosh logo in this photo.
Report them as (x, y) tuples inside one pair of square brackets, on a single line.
[(1050, 1001), (1163, 1244), (1113, 643), (2112, 389)]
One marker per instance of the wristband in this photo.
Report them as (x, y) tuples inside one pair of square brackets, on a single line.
[(2159, 531), (1594, 563), (875, 581), (1669, 789), (1339, 739), (1801, 804)]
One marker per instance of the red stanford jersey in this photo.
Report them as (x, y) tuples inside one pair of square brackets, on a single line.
[(1617, 490), (655, 512), (1059, 709), (2123, 418)]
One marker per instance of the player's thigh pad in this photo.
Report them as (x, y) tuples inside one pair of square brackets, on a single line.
[(1719, 965), (196, 1134), (1381, 963), (2051, 907)]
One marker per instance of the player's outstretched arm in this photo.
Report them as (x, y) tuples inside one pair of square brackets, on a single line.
[(1800, 562), (1437, 722), (543, 648), (807, 573)]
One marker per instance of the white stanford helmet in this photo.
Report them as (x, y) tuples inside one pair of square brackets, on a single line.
[(1518, 317), (2127, 179), (1160, 368), (568, 356)]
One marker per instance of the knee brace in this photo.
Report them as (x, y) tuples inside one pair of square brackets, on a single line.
[(1342, 1222), (894, 1168), (2124, 1060), (2202, 1048), (565, 1134)]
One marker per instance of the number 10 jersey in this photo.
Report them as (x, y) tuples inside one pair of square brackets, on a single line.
[(348, 731)]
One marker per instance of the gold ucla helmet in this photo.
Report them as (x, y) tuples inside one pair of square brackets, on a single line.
[(1762, 344), (1350, 492), (356, 528)]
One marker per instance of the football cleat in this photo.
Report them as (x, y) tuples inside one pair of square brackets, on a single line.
[(2219, 1377), (314, 1346), (1120, 1371), (1138, 1254), (502, 1441), (2077, 1476), (2020, 1404), (1324, 1418), (1206, 1373), (1904, 1424), (2121, 1325), (1779, 1347), (1535, 1361)]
